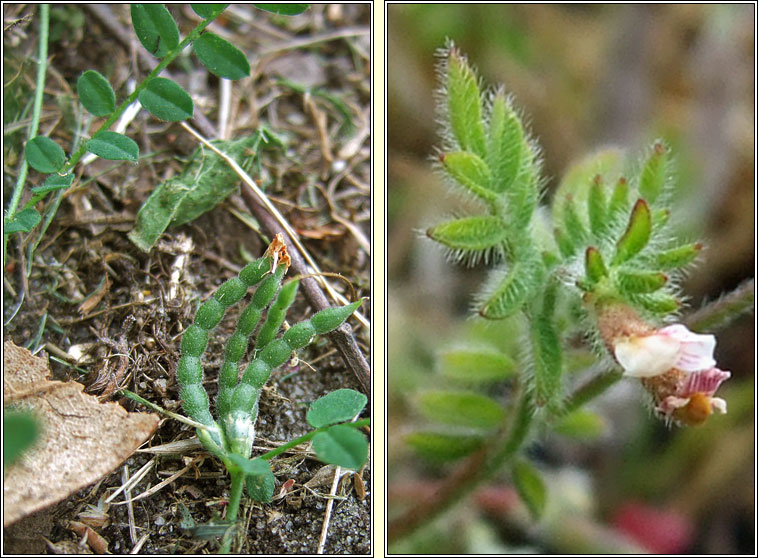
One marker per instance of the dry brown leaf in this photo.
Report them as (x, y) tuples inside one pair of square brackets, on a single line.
[(82, 439)]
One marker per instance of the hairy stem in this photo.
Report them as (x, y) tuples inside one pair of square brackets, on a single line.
[(719, 313)]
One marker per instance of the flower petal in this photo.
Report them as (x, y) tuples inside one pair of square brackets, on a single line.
[(647, 356), (696, 352), (704, 381)]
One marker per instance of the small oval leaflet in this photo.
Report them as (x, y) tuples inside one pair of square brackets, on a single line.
[(95, 93), (221, 57), (114, 147), (44, 155), (155, 28), (166, 100), (341, 445), (338, 406)]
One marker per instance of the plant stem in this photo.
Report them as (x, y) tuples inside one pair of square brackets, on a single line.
[(479, 467), (297, 441), (44, 26), (238, 480)]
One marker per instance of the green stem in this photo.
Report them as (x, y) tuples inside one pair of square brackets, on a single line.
[(302, 439), (44, 27), (238, 481)]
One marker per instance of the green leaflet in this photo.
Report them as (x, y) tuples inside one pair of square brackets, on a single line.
[(341, 445), (337, 406), (470, 234), (530, 487), (464, 104), (476, 365), (507, 146), (461, 409), (205, 182), (471, 172), (436, 446), (653, 177), (95, 93), (514, 290)]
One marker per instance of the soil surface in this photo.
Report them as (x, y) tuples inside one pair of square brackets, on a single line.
[(111, 317)]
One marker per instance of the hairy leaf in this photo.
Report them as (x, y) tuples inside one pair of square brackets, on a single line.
[(437, 446), (205, 182), (464, 104), (338, 406), (470, 234), (476, 365), (341, 445)]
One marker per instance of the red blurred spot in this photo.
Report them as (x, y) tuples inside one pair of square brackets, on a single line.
[(660, 531)]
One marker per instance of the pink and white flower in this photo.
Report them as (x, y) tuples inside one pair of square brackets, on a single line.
[(674, 346)]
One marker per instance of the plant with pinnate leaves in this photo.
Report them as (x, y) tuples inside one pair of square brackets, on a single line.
[(600, 262), (163, 98), (231, 434)]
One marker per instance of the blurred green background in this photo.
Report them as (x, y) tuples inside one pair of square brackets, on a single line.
[(586, 77)]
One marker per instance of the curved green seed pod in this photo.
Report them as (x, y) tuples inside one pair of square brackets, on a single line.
[(235, 347), (254, 272), (189, 370), (227, 380), (276, 353), (276, 314), (256, 374), (299, 335), (209, 314), (231, 291), (331, 318), (245, 396), (237, 343), (194, 341)]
